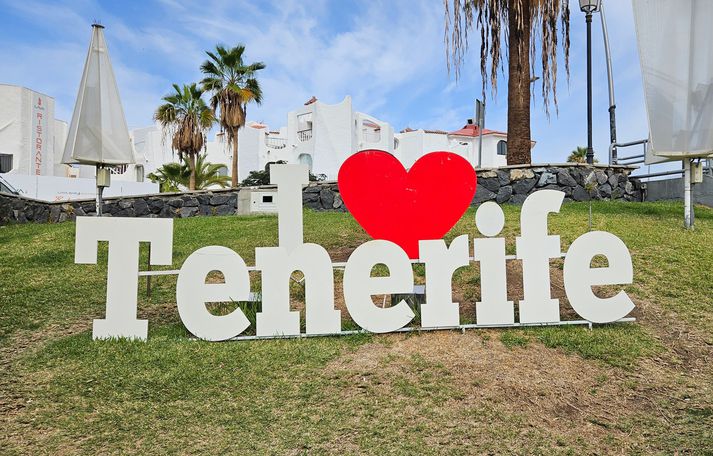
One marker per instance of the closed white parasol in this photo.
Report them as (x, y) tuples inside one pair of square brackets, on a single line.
[(98, 134)]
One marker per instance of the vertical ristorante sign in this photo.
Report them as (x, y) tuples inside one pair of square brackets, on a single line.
[(407, 222), (39, 133)]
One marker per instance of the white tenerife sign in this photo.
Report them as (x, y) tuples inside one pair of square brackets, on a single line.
[(534, 249)]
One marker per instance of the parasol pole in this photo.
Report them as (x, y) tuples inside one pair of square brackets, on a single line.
[(103, 180)]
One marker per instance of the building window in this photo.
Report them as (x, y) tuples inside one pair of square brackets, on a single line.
[(502, 147), (139, 173), (305, 159), (5, 163), (223, 171)]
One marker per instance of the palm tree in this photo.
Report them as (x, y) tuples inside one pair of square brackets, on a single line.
[(511, 22), (234, 86), (579, 155), (209, 174), (171, 176), (186, 118)]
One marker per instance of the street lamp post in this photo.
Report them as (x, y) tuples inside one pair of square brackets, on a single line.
[(588, 7)]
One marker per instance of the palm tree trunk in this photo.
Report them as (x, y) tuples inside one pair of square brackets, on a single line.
[(519, 84), (234, 169), (192, 179)]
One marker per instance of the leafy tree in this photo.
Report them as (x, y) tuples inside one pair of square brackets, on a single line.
[(511, 23), (262, 177), (172, 176), (233, 86), (579, 155), (186, 118)]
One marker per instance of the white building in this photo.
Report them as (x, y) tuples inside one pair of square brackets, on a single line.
[(319, 135), (31, 147), (153, 149), (413, 144), (322, 136), (31, 139)]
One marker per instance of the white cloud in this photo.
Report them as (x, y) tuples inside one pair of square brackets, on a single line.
[(387, 55)]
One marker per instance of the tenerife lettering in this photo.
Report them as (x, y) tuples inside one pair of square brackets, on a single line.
[(534, 248)]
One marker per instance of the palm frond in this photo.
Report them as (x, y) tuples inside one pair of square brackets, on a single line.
[(232, 85), (491, 18)]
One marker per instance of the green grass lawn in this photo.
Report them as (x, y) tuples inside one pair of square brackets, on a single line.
[(633, 388)]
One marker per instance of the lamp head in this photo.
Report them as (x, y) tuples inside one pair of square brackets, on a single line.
[(589, 6)]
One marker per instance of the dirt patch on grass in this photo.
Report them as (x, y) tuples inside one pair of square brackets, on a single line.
[(557, 394), (521, 397), (688, 347)]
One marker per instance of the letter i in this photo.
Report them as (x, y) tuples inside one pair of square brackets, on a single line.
[(494, 307)]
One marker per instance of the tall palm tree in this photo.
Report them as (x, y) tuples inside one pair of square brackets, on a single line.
[(233, 85), (186, 118), (520, 25)]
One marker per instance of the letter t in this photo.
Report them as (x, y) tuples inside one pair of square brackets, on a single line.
[(124, 236)]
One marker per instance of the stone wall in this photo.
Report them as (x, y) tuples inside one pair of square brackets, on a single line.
[(579, 183), (14, 209), (504, 185)]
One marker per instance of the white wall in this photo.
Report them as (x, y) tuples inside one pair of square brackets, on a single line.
[(491, 159), (333, 137), (414, 144), (52, 188), (60, 138)]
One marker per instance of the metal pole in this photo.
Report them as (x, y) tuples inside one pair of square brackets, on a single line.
[(480, 137), (590, 150), (479, 120), (148, 268), (687, 207), (610, 80), (100, 190)]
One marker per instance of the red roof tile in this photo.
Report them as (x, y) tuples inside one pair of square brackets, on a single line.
[(472, 130)]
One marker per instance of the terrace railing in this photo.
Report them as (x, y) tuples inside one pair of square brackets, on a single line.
[(639, 159), (304, 135), (118, 169), (275, 143)]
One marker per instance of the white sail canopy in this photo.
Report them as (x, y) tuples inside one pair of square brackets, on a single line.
[(674, 38), (98, 133)]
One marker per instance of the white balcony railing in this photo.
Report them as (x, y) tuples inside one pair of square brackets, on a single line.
[(275, 143), (304, 135), (118, 169), (371, 136)]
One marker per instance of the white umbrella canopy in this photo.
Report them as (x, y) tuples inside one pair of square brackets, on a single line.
[(674, 39), (98, 134)]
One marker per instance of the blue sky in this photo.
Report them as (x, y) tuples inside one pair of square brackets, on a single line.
[(388, 55)]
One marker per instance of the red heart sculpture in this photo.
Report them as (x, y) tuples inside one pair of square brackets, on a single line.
[(402, 206)]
